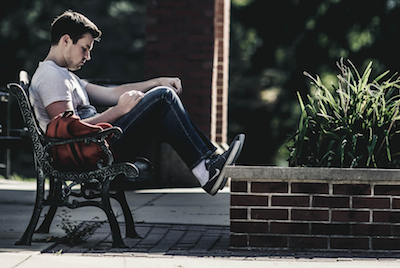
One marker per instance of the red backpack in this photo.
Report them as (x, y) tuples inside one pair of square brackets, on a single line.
[(78, 155)]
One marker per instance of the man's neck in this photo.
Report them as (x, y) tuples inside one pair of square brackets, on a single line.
[(55, 56)]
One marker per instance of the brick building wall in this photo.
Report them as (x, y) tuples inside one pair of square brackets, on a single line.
[(190, 39), (219, 111), (300, 209)]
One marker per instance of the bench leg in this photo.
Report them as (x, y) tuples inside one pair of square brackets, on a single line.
[(26, 238), (44, 228), (112, 220), (121, 198)]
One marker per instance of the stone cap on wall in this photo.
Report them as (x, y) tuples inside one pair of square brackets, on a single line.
[(308, 174)]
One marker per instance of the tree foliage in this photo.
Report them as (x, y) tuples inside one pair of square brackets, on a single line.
[(25, 36), (274, 42)]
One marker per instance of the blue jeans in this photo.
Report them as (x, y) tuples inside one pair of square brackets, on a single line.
[(161, 112)]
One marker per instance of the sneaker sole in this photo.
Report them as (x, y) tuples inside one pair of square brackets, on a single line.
[(221, 177), (240, 138), (223, 183)]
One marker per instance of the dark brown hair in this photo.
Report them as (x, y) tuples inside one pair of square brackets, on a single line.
[(75, 25)]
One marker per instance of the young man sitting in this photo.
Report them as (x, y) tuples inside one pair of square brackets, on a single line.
[(141, 109)]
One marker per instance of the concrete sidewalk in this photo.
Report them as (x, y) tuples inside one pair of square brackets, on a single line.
[(179, 228), (174, 206)]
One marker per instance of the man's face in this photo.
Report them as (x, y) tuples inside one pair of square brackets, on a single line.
[(75, 55)]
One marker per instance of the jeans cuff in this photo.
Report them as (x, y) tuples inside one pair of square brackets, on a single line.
[(203, 157)]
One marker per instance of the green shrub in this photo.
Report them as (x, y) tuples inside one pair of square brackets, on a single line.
[(356, 126)]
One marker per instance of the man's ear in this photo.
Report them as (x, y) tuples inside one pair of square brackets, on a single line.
[(65, 39)]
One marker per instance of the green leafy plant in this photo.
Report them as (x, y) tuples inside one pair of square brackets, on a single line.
[(356, 126), (76, 233)]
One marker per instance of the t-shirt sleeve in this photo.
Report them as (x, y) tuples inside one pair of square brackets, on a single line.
[(55, 88), (82, 82)]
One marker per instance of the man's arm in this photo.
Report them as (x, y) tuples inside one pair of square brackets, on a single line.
[(122, 99), (126, 102), (58, 107), (109, 96)]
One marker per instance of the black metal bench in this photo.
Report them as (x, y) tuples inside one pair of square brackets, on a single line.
[(64, 190)]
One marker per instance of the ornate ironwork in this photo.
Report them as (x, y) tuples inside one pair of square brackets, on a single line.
[(62, 184)]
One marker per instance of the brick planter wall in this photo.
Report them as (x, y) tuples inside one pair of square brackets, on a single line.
[(315, 209)]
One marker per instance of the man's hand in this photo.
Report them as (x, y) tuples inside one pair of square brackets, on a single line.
[(173, 82), (128, 100)]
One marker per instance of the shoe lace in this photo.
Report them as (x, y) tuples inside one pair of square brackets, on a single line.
[(211, 160)]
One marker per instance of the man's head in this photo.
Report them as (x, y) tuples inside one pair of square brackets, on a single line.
[(73, 24), (72, 37)]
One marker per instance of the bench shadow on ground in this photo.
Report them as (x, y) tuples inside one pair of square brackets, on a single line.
[(158, 238), (193, 241)]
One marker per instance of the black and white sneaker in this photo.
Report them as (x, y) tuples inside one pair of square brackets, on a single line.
[(216, 165)]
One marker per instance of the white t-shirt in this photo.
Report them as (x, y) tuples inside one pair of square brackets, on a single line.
[(52, 83)]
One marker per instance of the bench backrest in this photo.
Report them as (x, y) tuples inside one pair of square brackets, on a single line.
[(35, 132)]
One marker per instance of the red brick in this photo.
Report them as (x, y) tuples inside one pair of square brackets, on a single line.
[(330, 229), (199, 56), (371, 229), (371, 202), (269, 187), (396, 203), (249, 227), (173, 59), (310, 188), (331, 201), (187, 12), (289, 228), (396, 229), (349, 243), (350, 215), (387, 190), (267, 241), (310, 215), (201, 39), (385, 243), (294, 201), (249, 200), (386, 216), (269, 214), (200, 110), (239, 186), (238, 240), (308, 242), (203, 5), (199, 73), (352, 189), (238, 214)]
